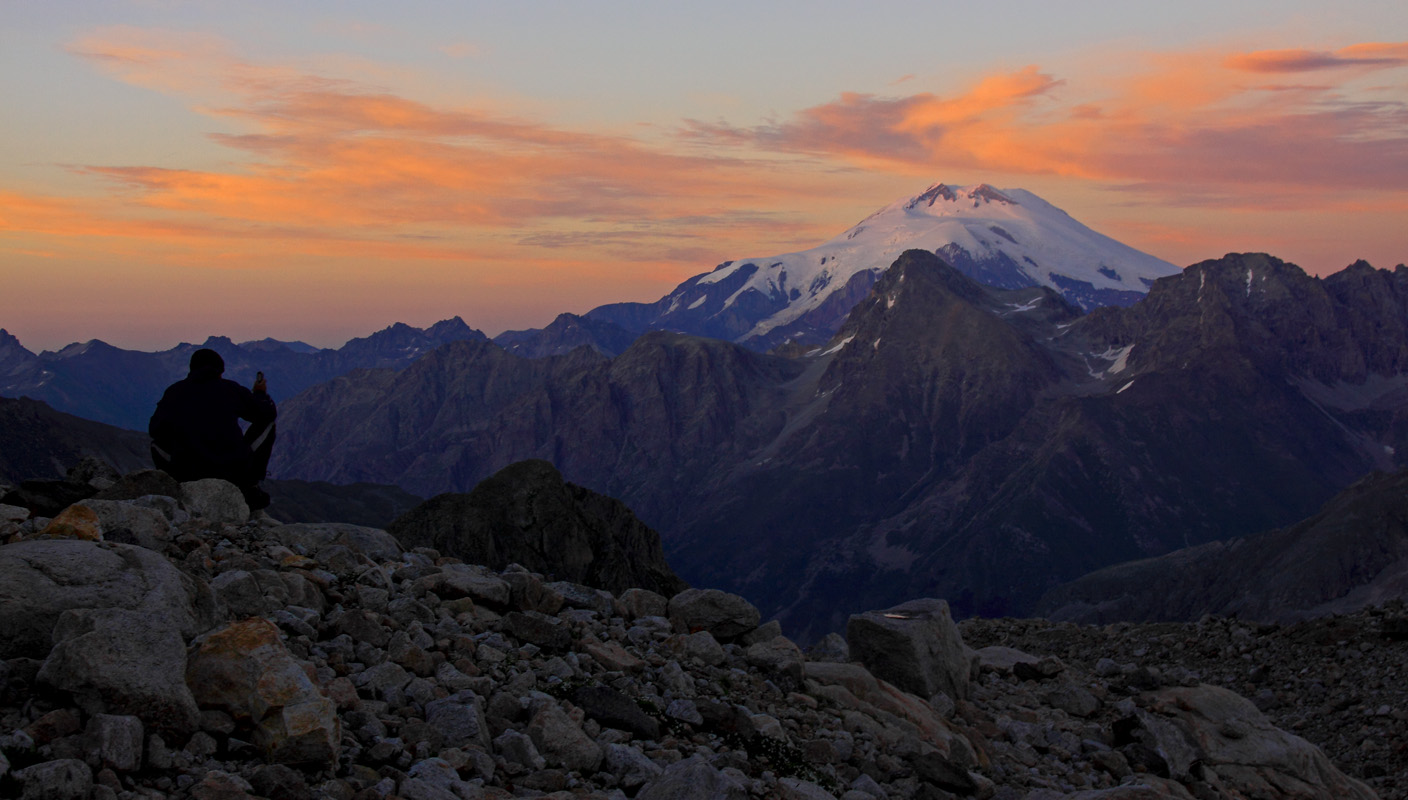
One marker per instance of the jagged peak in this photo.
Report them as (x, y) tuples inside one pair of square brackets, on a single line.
[(981, 192)]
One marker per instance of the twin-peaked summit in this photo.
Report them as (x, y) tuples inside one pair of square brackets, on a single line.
[(1009, 239)]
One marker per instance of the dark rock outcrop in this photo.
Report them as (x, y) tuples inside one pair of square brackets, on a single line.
[(527, 514)]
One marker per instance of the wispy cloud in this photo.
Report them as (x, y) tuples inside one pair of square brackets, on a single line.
[(331, 159)]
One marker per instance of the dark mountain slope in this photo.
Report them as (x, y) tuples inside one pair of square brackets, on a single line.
[(37, 442), (1352, 553)]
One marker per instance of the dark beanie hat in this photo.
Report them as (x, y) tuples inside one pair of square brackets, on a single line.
[(206, 359)]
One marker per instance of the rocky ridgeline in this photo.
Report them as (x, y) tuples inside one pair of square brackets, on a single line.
[(165, 644)]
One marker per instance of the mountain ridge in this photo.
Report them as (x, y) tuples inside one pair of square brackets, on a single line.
[(1009, 239), (954, 440)]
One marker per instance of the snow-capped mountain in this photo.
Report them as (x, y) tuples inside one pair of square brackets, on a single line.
[(1005, 238)]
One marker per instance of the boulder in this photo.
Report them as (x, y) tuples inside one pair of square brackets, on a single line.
[(693, 779), (129, 523), (41, 579), (115, 741), (1209, 728), (245, 670), (561, 740), (612, 709), (459, 719), (61, 779), (914, 646), (722, 614), (74, 522), (311, 537), (122, 662), (219, 502), (779, 657)]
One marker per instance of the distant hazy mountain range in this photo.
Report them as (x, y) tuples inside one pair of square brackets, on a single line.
[(121, 387), (951, 440)]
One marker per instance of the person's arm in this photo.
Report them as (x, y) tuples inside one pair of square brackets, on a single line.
[(258, 406)]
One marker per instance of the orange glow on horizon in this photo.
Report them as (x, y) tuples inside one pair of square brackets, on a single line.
[(404, 193)]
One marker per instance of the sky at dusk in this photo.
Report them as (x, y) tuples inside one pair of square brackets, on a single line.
[(316, 171)]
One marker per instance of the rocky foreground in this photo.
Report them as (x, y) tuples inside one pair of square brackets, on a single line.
[(161, 643)]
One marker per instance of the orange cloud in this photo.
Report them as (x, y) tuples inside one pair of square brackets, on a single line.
[(332, 166), (1373, 55), (1179, 126)]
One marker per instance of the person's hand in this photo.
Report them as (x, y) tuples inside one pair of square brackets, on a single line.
[(259, 385)]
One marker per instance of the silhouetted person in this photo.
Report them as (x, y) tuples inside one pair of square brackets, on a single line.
[(196, 430)]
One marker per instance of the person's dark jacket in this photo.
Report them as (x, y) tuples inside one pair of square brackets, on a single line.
[(197, 424)]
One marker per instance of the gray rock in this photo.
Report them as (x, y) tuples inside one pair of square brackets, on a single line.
[(518, 748), (458, 581), (914, 646), (532, 627), (575, 595), (778, 657), (832, 648), (4, 765), (383, 678), (562, 741), (701, 646), (15, 514), (768, 630), (218, 502), (613, 709), (116, 741), (169, 507), (1073, 700), (310, 537), (131, 524), (120, 661), (684, 711), (630, 766), (724, 615), (459, 719), (1002, 659), (436, 773), (693, 779), (639, 603), (63, 779), (1225, 734), (676, 681), (41, 579), (796, 789), (240, 593)]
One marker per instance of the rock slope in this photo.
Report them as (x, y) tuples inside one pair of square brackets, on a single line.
[(228, 657)]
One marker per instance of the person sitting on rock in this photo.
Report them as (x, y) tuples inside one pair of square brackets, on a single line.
[(196, 431)]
